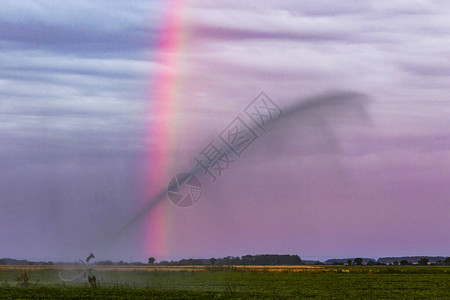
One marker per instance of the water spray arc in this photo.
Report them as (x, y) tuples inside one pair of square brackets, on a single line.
[(339, 102)]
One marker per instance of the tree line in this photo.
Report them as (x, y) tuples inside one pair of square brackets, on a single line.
[(261, 259), (423, 261)]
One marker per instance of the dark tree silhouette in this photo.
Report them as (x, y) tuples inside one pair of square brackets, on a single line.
[(151, 260), (213, 261), (358, 261), (423, 261), (404, 262)]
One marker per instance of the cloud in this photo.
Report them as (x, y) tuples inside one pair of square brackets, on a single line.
[(72, 74), (84, 40), (82, 27)]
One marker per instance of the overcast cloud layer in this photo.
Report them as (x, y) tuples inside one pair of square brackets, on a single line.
[(74, 85)]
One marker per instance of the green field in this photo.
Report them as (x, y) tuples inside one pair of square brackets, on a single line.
[(381, 282)]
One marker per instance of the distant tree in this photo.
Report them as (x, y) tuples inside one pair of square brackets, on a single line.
[(423, 261), (358, 261), (231, 260), (318, 263), (151, 260), (349, 262), (50, 263), (247, 259), (395, 263), (212, 261), (370, 263), (404, 262), (2, 262), (447, 261)]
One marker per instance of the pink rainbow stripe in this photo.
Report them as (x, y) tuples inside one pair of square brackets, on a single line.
[(156, 237)]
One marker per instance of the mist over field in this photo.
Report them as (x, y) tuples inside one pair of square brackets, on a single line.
[(363, 176)]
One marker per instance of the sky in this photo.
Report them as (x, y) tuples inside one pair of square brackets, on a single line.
[(77, 82)]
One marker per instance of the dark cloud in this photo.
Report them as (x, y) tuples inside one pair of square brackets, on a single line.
[(236, 34), (427, 70), (69, 39)]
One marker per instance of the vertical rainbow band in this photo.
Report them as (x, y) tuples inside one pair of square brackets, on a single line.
[(162, 131)]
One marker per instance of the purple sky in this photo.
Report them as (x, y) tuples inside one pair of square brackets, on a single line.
[(74, 80)]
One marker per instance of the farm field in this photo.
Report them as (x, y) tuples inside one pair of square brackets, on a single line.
[(246, 282)]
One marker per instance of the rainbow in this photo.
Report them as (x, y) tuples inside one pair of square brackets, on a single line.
[(162, 130)]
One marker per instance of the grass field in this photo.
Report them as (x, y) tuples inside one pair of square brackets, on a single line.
[(250, 282)]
